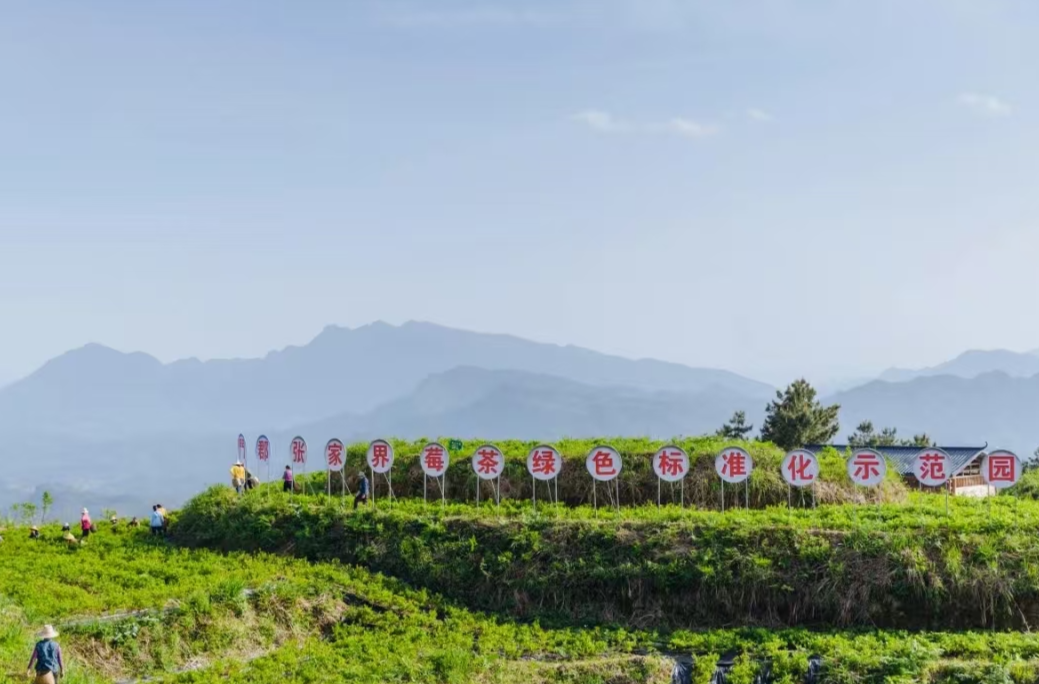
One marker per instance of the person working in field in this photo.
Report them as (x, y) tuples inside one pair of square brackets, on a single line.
[(286, 479), (165, 518), (34, 532), (362, 491), (46, 656), (86, 525), (158, 521), (238, 476)]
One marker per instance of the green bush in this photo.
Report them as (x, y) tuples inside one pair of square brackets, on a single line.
[(637, 484), (892, 566)]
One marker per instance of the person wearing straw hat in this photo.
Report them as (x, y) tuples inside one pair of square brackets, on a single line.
[(34, 532), (238, 476), (46, 656), (86, 525)]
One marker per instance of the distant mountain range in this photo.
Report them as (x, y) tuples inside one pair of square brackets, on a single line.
[(971, 364), (496, 404), (103, 393), (992, 408), (100, 422), (103, 426)]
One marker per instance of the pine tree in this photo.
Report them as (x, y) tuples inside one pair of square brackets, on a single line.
[(921, 440), (795, 418), (864, 436), (736, 428)]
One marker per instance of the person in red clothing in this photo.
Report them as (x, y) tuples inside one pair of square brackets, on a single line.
[(85, 524)]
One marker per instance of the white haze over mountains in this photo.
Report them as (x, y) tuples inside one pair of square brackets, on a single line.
[(101, 428)]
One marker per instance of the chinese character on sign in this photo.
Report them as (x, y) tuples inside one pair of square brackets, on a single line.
[(1001, 469), (866, 468), (735, 464), (604, 463), (543, 461), (299, 451), (334, 454), (487, 463), (380, 455), (433, 460), (671, 464), (931, 468), (263, 449), (800, 468)]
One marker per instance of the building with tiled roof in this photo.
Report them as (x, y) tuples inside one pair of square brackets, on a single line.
[(965, 461)]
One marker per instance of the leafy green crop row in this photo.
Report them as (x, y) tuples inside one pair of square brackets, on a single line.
[(892, 566), (324, 622)]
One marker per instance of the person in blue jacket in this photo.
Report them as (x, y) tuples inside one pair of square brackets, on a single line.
[(46, 656), (362, 491)]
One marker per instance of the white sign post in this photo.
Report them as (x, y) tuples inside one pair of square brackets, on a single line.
[(931, 467), (488, 464), (263, 456), (867, 467), (263, 453), (242, 454), (1002, 469), (298, 454), (800, 469), (544, 464), (671, 464), (335, 458), (434, 460), (380, 460), (604, 464), (734, 465)]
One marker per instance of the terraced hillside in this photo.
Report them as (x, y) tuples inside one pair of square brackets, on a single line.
[(621, 596)]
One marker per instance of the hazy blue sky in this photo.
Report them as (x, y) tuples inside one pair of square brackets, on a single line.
[(775, 187)]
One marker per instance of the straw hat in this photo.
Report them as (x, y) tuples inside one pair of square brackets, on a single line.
[(48, 632), (34, 528), (85, 511)]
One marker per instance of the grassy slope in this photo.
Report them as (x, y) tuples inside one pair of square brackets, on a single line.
[(321, 622), (296, 617), (891, 566)]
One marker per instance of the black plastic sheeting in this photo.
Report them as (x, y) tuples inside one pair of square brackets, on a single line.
[(682, 672), (815, 670)]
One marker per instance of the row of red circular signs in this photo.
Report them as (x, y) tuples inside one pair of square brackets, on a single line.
[(800, 468)]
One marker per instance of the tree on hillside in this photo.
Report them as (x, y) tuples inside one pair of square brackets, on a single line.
[(865, 436), (922, 440), (795, 418), (736, 428), (47, 503)]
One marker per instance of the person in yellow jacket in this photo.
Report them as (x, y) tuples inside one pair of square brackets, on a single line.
[(238, 476)]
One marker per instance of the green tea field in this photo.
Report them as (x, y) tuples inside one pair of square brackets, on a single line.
[(277, 588)]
